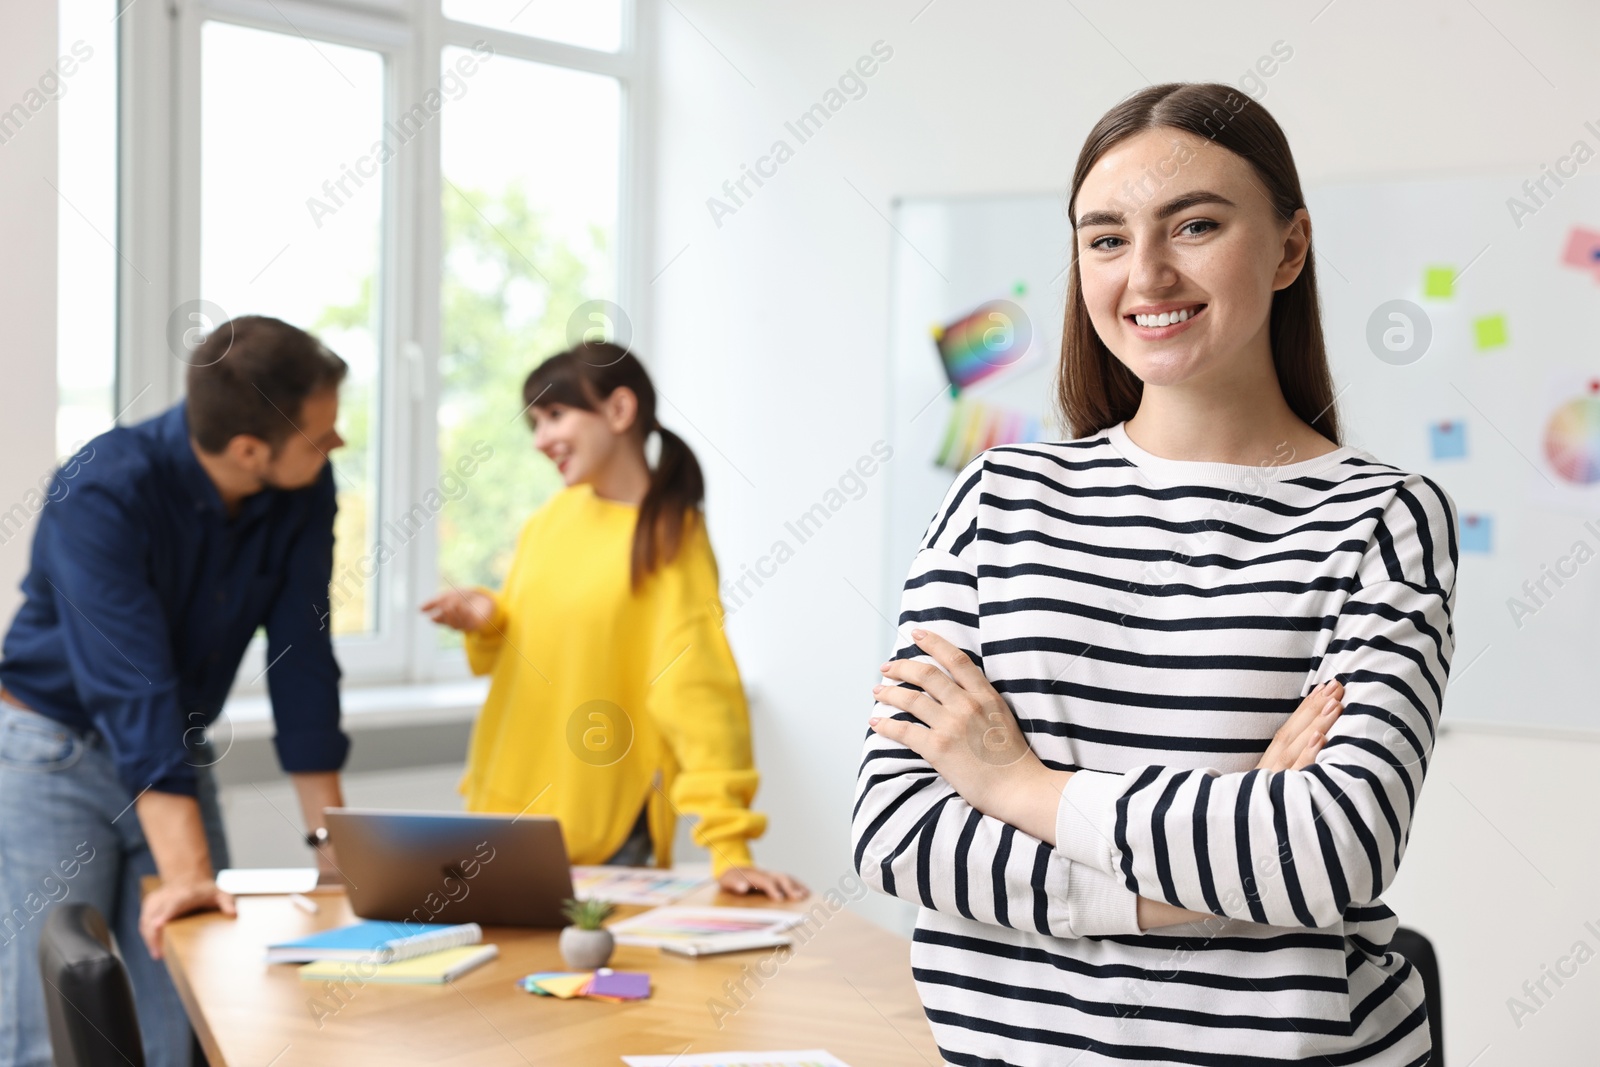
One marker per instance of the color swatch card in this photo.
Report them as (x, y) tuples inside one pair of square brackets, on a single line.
[(813, 1057), (661, 927), (974, 426), (604, 984), (619, 985), (634, 885), (985, 341)]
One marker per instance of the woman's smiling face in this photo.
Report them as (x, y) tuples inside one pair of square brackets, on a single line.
[(1168, 222)]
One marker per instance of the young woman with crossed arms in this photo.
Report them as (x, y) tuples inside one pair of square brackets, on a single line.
[(1087, 765)]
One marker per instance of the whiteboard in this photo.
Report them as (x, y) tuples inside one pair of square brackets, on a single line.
[(1515, 667)]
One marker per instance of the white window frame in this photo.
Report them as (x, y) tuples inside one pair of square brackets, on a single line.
[(159, 209)]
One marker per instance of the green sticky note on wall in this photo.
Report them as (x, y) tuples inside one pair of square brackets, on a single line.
[(1439, 283), (1490, 331)]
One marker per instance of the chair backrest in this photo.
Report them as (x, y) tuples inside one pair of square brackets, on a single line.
[(87, 995), (1419, 950)]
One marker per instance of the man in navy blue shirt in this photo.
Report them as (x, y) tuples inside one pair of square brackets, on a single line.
[(162, 548)]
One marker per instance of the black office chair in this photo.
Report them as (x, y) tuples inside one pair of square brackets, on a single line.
[(87, 995), (1419, 950)]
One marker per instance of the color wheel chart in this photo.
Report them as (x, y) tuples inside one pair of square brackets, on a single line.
[(1502, 409), (1572, 438)]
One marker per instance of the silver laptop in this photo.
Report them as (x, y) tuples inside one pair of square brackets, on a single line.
[(452, 867)]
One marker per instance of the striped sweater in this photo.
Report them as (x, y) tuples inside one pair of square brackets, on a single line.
[(1152, 622)]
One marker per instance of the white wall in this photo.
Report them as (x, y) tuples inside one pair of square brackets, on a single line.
[(770, 333), (27, 283)]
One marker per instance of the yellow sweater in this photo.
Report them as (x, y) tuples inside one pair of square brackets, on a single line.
[(596, 691)]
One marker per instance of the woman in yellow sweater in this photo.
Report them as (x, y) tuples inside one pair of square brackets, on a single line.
[(614, 702)]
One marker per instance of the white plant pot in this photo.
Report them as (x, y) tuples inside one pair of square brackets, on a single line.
[(586, 950)]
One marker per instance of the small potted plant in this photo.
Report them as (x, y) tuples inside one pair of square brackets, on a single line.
[(586, 945)]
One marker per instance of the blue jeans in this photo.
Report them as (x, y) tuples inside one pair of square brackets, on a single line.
[(68, 831)]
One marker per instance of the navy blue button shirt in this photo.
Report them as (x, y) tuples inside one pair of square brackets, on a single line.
[(142, 595)]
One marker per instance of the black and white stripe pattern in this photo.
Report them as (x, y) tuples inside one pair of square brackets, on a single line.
[(1152, 623)]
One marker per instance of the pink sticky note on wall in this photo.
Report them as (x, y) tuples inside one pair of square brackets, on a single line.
[(1583, 250)]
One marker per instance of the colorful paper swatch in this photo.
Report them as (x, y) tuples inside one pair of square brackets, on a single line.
[(1477, 532), (1572, 438), (1489, 331), (983, 342), (974, 426), (1439, 283), (604, 984), (1449, 440), (634, 885), (1583, 250), (678, 925), (620, 985)]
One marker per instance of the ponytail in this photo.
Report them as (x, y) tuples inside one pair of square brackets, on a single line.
[(580, 378), (676, 488)]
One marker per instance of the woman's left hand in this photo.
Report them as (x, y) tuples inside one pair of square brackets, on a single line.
[(972, 738), (775, 884)]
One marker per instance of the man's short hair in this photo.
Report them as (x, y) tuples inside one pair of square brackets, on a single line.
[(252, 376)]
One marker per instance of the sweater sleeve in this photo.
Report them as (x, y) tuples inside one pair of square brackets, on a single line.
[(697, 701), (913, 836), (1296, 848), (483, 646)]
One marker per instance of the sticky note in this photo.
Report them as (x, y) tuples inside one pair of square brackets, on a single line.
[(1583, 250), (566, 985), (1489, 331), (561, 984), (629, 985), (1477, 532), (1439, 282), (1449, 440)]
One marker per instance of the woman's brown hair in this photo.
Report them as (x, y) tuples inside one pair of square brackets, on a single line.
[(582, 377), (1094, 389)]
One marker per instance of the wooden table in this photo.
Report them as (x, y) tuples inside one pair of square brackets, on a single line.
[(846, 989)]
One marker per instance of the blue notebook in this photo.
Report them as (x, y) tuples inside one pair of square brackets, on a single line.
[(381, 942)]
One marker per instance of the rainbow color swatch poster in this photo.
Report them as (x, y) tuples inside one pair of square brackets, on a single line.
[(974, 426), (983, 342)]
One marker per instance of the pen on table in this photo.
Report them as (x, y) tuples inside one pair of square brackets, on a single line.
[(304, 903)]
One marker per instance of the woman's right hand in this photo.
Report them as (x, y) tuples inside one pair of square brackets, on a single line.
[(467, 610), (1300, 738)]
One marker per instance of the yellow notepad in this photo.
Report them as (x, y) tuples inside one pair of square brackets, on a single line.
[(443, 966)]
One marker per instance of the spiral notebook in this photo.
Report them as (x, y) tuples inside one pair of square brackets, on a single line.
[(381, 942), (432, 968)]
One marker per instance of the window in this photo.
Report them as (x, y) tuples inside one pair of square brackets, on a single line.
[(593, 24), (86, 264), (436, 189), (529, 236), (290, 210)]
